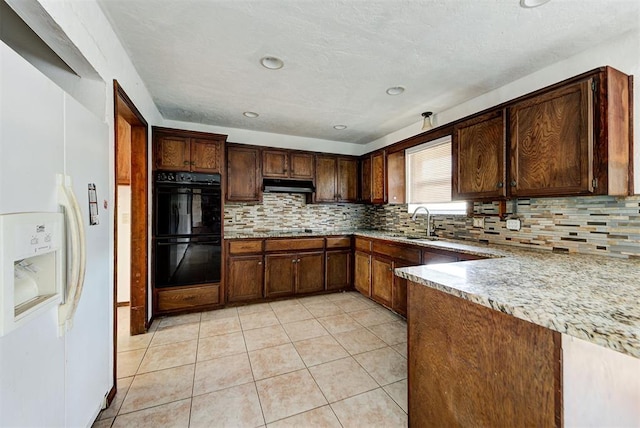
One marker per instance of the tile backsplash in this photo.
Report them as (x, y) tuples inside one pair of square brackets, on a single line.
[(603, 225), (281, 211)]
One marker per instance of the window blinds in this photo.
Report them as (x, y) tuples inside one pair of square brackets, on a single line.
[(429, 172)]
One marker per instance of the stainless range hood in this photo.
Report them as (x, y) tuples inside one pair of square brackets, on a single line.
[(277, 185)]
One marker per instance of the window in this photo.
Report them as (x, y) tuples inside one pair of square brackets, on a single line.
[(429, 178)]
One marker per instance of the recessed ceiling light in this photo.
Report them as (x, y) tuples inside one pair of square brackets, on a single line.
[(528, 4), (395, 90), (251, 114), (340, 127), (271, 62)]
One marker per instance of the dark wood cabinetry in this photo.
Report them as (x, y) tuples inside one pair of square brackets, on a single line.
[(479, 157), (178, 150), (309, 272), (572, 138), (362, 280), (287, 164), (279, 274), (338, 263), (243, 174), (245, 270), (497, 370), (294, 271), (382, 280), (396, 177), (336, 179), (373, 184)]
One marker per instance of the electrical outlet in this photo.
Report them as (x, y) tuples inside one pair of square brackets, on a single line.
[(478, 222), (513, 224)]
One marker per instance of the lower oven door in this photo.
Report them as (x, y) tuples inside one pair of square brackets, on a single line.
[(187, 261)]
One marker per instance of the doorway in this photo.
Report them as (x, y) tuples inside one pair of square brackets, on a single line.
[(131, 211)]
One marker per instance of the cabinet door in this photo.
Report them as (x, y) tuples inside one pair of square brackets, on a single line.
[(381, 280), (362, 277), (301, 165), (478, 147), (279, 274), (338, 272), (243, 170), (347, 180), (399, 292), (378, 178), (275, 163), (365, 179), (245, 278), (396, 177), (310, 272), (552, 142), (206, 156), (325, 179), (173, 153)]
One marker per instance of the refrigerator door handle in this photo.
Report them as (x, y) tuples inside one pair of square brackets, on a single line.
[(76, 253)]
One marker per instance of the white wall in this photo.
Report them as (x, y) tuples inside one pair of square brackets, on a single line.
[(622, 53), (601, 387), (272, 140), (123, 293)]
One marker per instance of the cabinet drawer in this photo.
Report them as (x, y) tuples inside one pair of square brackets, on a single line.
[(408, 254), (294, 244), (339, 242), (430, 257), (186, 298), (363, 244), (245, 246)]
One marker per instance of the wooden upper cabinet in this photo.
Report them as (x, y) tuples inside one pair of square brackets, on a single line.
[(275, 163), (552, 142), (173, 153), (378, 178), (243, 174), (301, 165), (396, 177), (287, 164), (336, 179), (179, 150), (479, 151), (326, 170), (365, 179), (347, 180), (206, 156)]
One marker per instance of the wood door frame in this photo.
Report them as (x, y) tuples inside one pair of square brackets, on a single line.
[(124, 107)]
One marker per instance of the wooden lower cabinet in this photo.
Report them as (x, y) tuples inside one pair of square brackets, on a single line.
[(286, 274), (309, 272), (279, 274), (382, 280), (185, 298), (338, 269), (245, 278), (362, 275), (399, 299), (473, 366)]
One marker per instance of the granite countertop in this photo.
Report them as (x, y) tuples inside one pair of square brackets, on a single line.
[(594, 298)]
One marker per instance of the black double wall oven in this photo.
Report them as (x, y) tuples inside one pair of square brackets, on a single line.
[(187, 229)]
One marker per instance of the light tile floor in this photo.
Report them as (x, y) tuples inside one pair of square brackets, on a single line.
[(325, 361)]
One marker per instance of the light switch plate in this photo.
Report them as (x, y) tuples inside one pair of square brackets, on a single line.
[(513, 224), (478, 222)]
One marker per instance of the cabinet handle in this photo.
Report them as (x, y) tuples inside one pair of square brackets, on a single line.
[(293, 261), (298, 260), (513, 183), (185, 163), (500, 185)]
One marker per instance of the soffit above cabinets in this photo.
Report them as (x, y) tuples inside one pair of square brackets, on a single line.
[(201, 59)]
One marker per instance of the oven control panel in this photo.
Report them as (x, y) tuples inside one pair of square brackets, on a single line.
[(187, 178)]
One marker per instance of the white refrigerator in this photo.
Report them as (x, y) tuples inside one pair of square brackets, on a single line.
[(48, 380)]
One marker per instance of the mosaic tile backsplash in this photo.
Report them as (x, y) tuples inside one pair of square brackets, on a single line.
[(603, 225), (282, 211)]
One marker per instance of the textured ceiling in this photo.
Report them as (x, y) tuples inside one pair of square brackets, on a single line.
[(200, 59)]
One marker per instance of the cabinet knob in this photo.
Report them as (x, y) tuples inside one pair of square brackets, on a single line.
[(192, 162), (259, 263), (186, 162), (298, 260), (513, 183), (500, 185), (293, 261)]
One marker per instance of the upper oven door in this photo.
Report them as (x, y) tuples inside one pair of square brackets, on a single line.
[(188, 210)]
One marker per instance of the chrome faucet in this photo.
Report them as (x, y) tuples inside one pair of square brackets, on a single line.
[(415, 214)]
